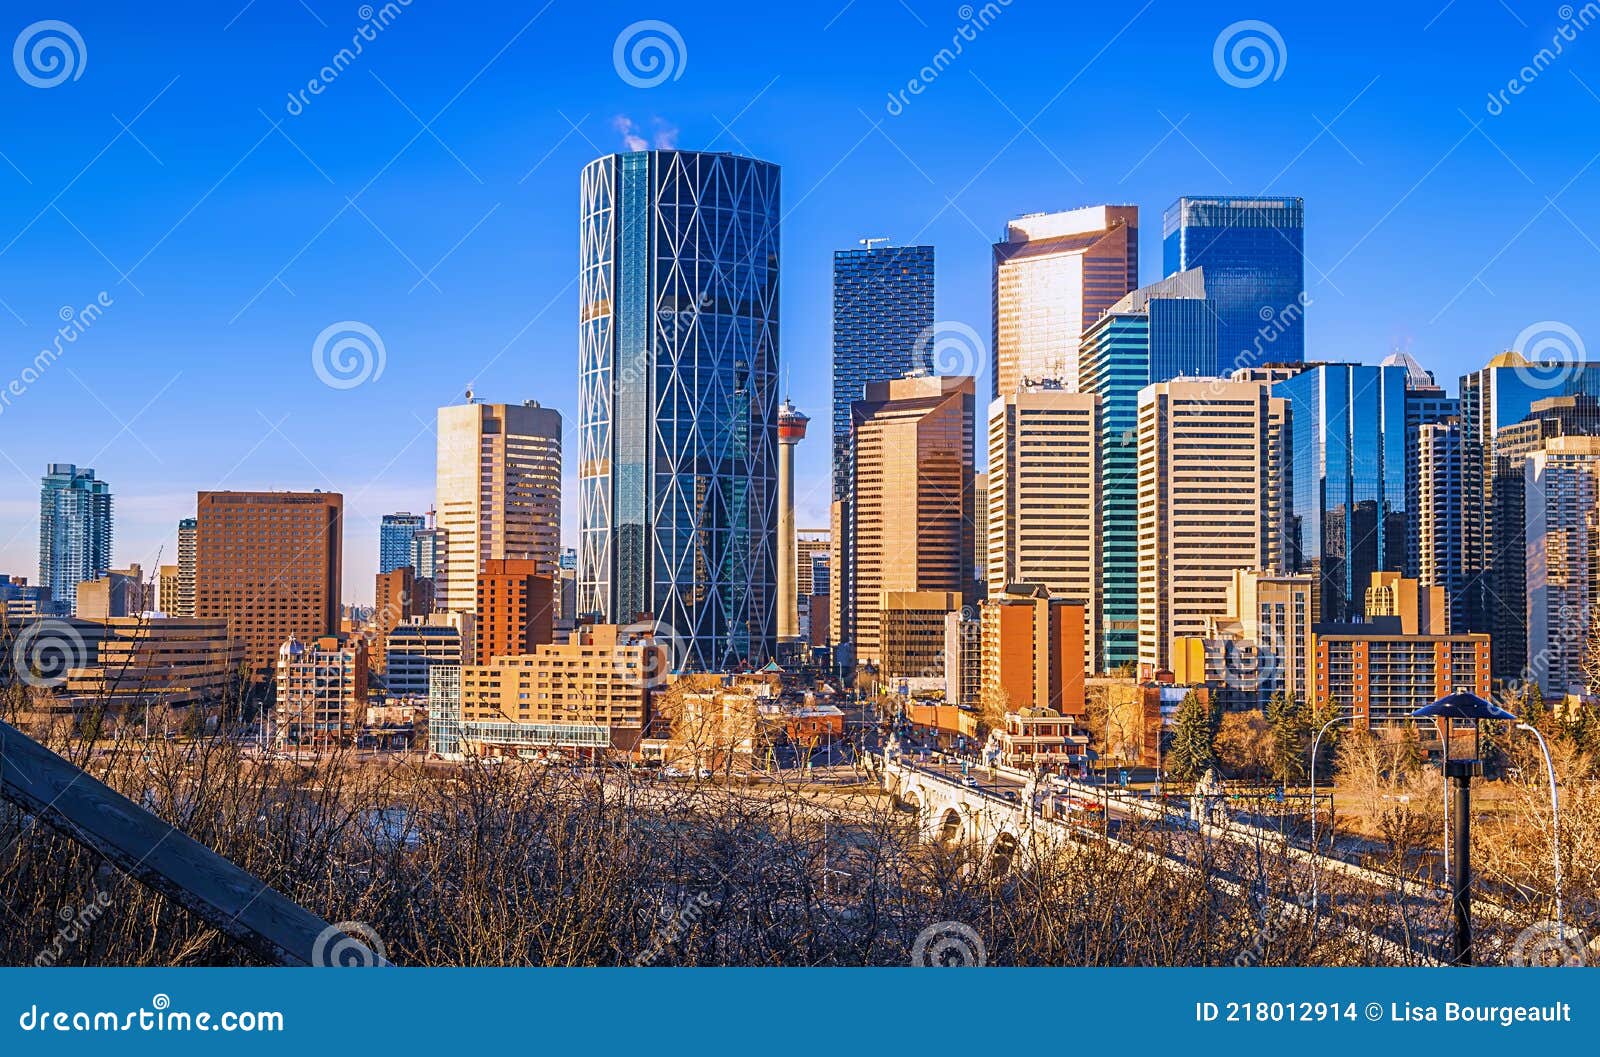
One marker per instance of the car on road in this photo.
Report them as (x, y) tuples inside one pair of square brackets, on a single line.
[(970, 782)]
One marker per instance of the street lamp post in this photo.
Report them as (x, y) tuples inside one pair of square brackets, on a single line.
[(1459, 770), (1555, 816), (1315, 742)]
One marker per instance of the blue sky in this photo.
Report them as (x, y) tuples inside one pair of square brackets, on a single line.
[(431, 191)]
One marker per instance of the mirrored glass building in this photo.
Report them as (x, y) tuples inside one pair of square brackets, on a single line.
[(1253, 254), (678, 401)]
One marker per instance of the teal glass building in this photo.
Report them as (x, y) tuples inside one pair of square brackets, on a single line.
[(1157, 333), (74, 532)]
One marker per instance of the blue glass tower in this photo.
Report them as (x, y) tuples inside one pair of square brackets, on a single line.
[(74, 531), (1157, 333), (1347, 515), (395, 532), (678, 410), (882, 303), (1253, 254)]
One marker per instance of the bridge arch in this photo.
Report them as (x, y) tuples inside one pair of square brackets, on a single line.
[(951, 827)]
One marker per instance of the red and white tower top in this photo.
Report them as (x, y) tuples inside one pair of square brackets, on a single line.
[(791, 423)]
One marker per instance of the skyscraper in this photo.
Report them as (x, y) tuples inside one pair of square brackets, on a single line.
[(1426, 403), (1055, 274), (1157, 333), (74, 531), (1347, 464), (1209, 463), (1495, 396), (1253, 253), (1436, 514), (882, 306), (678, 399), (913, 500), (1043, 505), (183, 605), (1562, 541), (498, 493), (395, 532), (1555, 416), (270, 564)]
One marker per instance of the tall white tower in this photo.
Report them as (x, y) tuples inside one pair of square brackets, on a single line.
[(791, 431)]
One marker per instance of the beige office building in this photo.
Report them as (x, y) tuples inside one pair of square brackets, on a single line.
[(1055, 274), (498, 493), (1261, 646), (602, 678), (913, 502), (1210, 495), (1044, 498)]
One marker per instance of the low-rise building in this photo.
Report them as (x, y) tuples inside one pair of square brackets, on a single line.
[(912, 627), (415, 647), (590, 693), (321, 690), (1378, 674)]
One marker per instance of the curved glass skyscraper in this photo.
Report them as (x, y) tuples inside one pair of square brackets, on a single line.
[(678, 368)]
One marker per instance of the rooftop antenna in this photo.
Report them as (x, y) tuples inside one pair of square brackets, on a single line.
[(870, 243), (471, 397)]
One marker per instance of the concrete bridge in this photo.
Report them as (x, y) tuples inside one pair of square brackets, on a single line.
[(954, 814)]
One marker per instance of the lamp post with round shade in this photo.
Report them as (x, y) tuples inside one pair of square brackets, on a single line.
[(1460, 717)]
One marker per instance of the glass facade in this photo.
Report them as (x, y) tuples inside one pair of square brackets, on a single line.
[(1253, 253), (882, 303), (1498, 395), (678, 366), (1157, 333), (74, 532), (395, 532), (1347, 465)]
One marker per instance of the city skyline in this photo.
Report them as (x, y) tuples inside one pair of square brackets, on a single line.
[(507, 287)]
